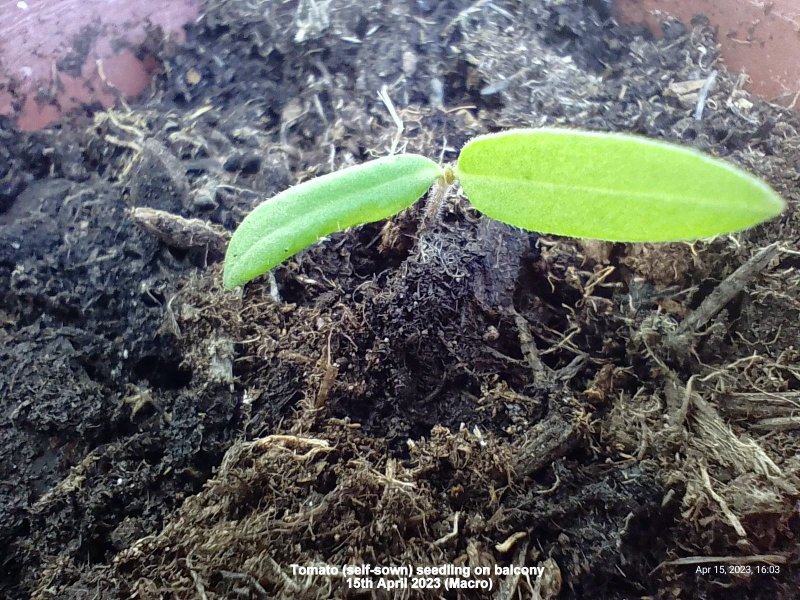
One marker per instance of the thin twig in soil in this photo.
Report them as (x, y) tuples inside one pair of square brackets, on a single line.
[(727, 290), (248, 580), (179, 232), (542, 374), (723, 505), (548, 440), (453, 534)]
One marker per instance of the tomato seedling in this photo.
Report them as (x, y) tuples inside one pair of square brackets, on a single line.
[(607, 186)]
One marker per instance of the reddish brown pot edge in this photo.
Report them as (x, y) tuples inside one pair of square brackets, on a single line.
[(757, 37)]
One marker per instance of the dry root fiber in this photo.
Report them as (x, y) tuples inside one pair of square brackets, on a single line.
[(335, 499)]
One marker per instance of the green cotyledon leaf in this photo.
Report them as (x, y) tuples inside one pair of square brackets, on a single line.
[(297, 217), (609, 186)]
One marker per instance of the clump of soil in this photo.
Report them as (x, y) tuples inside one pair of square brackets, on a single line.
[(434, 390)]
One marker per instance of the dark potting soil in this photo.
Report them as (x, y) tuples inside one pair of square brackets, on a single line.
[(433, 390)]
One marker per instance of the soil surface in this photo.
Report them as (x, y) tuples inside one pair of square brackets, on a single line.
[(433, 390)]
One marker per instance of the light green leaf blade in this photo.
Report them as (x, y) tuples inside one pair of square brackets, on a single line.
[(609, 186), (296, 218)]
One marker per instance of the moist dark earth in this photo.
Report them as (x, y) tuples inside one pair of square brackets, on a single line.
[(432, 390)]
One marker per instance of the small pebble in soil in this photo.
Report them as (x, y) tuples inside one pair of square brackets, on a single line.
[(205, 198)]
